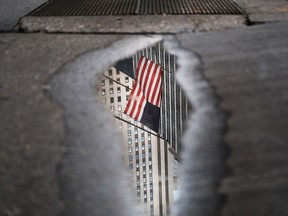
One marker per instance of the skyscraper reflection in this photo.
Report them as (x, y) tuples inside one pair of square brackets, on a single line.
[(152, 159)]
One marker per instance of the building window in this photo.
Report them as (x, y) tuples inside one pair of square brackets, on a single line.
[(143, 147), (127, 97), (144, 172), (150, 179), (126, 79), (119, 98), (143, 155), (137, 165), (118, 89), (142, 131), (119, 107), (103, 100), (136, 148), (150, 162), (103, 83), (130, 166), (137, 173), (149, 137), (112, 108), (135, 131), (130, 158), (111, 100), (136, 140), (137, 156), (127, 89), (130, 149), (144, 164), (129, 141), (144, 180), (117, 72), (103, 92), (149, 145), (128, 125), (110, 82), (110, 72), (111, 91), (135, 122), (118, 79), (150, 155), (142, 139), (129, 132)]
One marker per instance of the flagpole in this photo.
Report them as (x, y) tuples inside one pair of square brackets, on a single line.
[(170, 149), (155, 134), (117, 82)]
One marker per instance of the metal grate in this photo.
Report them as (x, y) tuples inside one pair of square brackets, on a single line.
[(135, 7)]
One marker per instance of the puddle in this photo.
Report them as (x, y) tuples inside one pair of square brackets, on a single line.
[(150, 110), (119, 170)]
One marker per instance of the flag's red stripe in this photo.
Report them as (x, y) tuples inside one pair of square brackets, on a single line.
[(127, 107), (151, 84), (131, 96), (155, 89), (142, 73), (159, 90), (136, 99), (146, 80), (133, 109), (139, 108), (138, 66)]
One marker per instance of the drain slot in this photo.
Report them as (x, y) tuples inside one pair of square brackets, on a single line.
[(132, 7)]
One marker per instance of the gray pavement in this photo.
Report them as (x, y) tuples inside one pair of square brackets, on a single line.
[(131, 24), (12, 11), (248, 70), (261, 11), (53, 142)]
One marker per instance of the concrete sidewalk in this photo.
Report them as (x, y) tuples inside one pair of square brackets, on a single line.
[(260, 11)]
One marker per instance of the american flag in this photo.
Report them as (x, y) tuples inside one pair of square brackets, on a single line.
[(144, 100)]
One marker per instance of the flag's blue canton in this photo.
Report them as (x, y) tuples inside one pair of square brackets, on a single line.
[(126, 66), (151, 116)]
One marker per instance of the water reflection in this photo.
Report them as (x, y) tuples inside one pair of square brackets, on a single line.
[(150, 141)]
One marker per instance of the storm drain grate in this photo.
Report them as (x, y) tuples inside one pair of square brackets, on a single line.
[(135, 7)]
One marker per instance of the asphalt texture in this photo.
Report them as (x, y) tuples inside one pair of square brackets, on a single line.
[(248, 70), (12, 11), (54, 149)]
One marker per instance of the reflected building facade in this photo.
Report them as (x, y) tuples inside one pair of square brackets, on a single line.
[(174, 105), (150, 159)]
